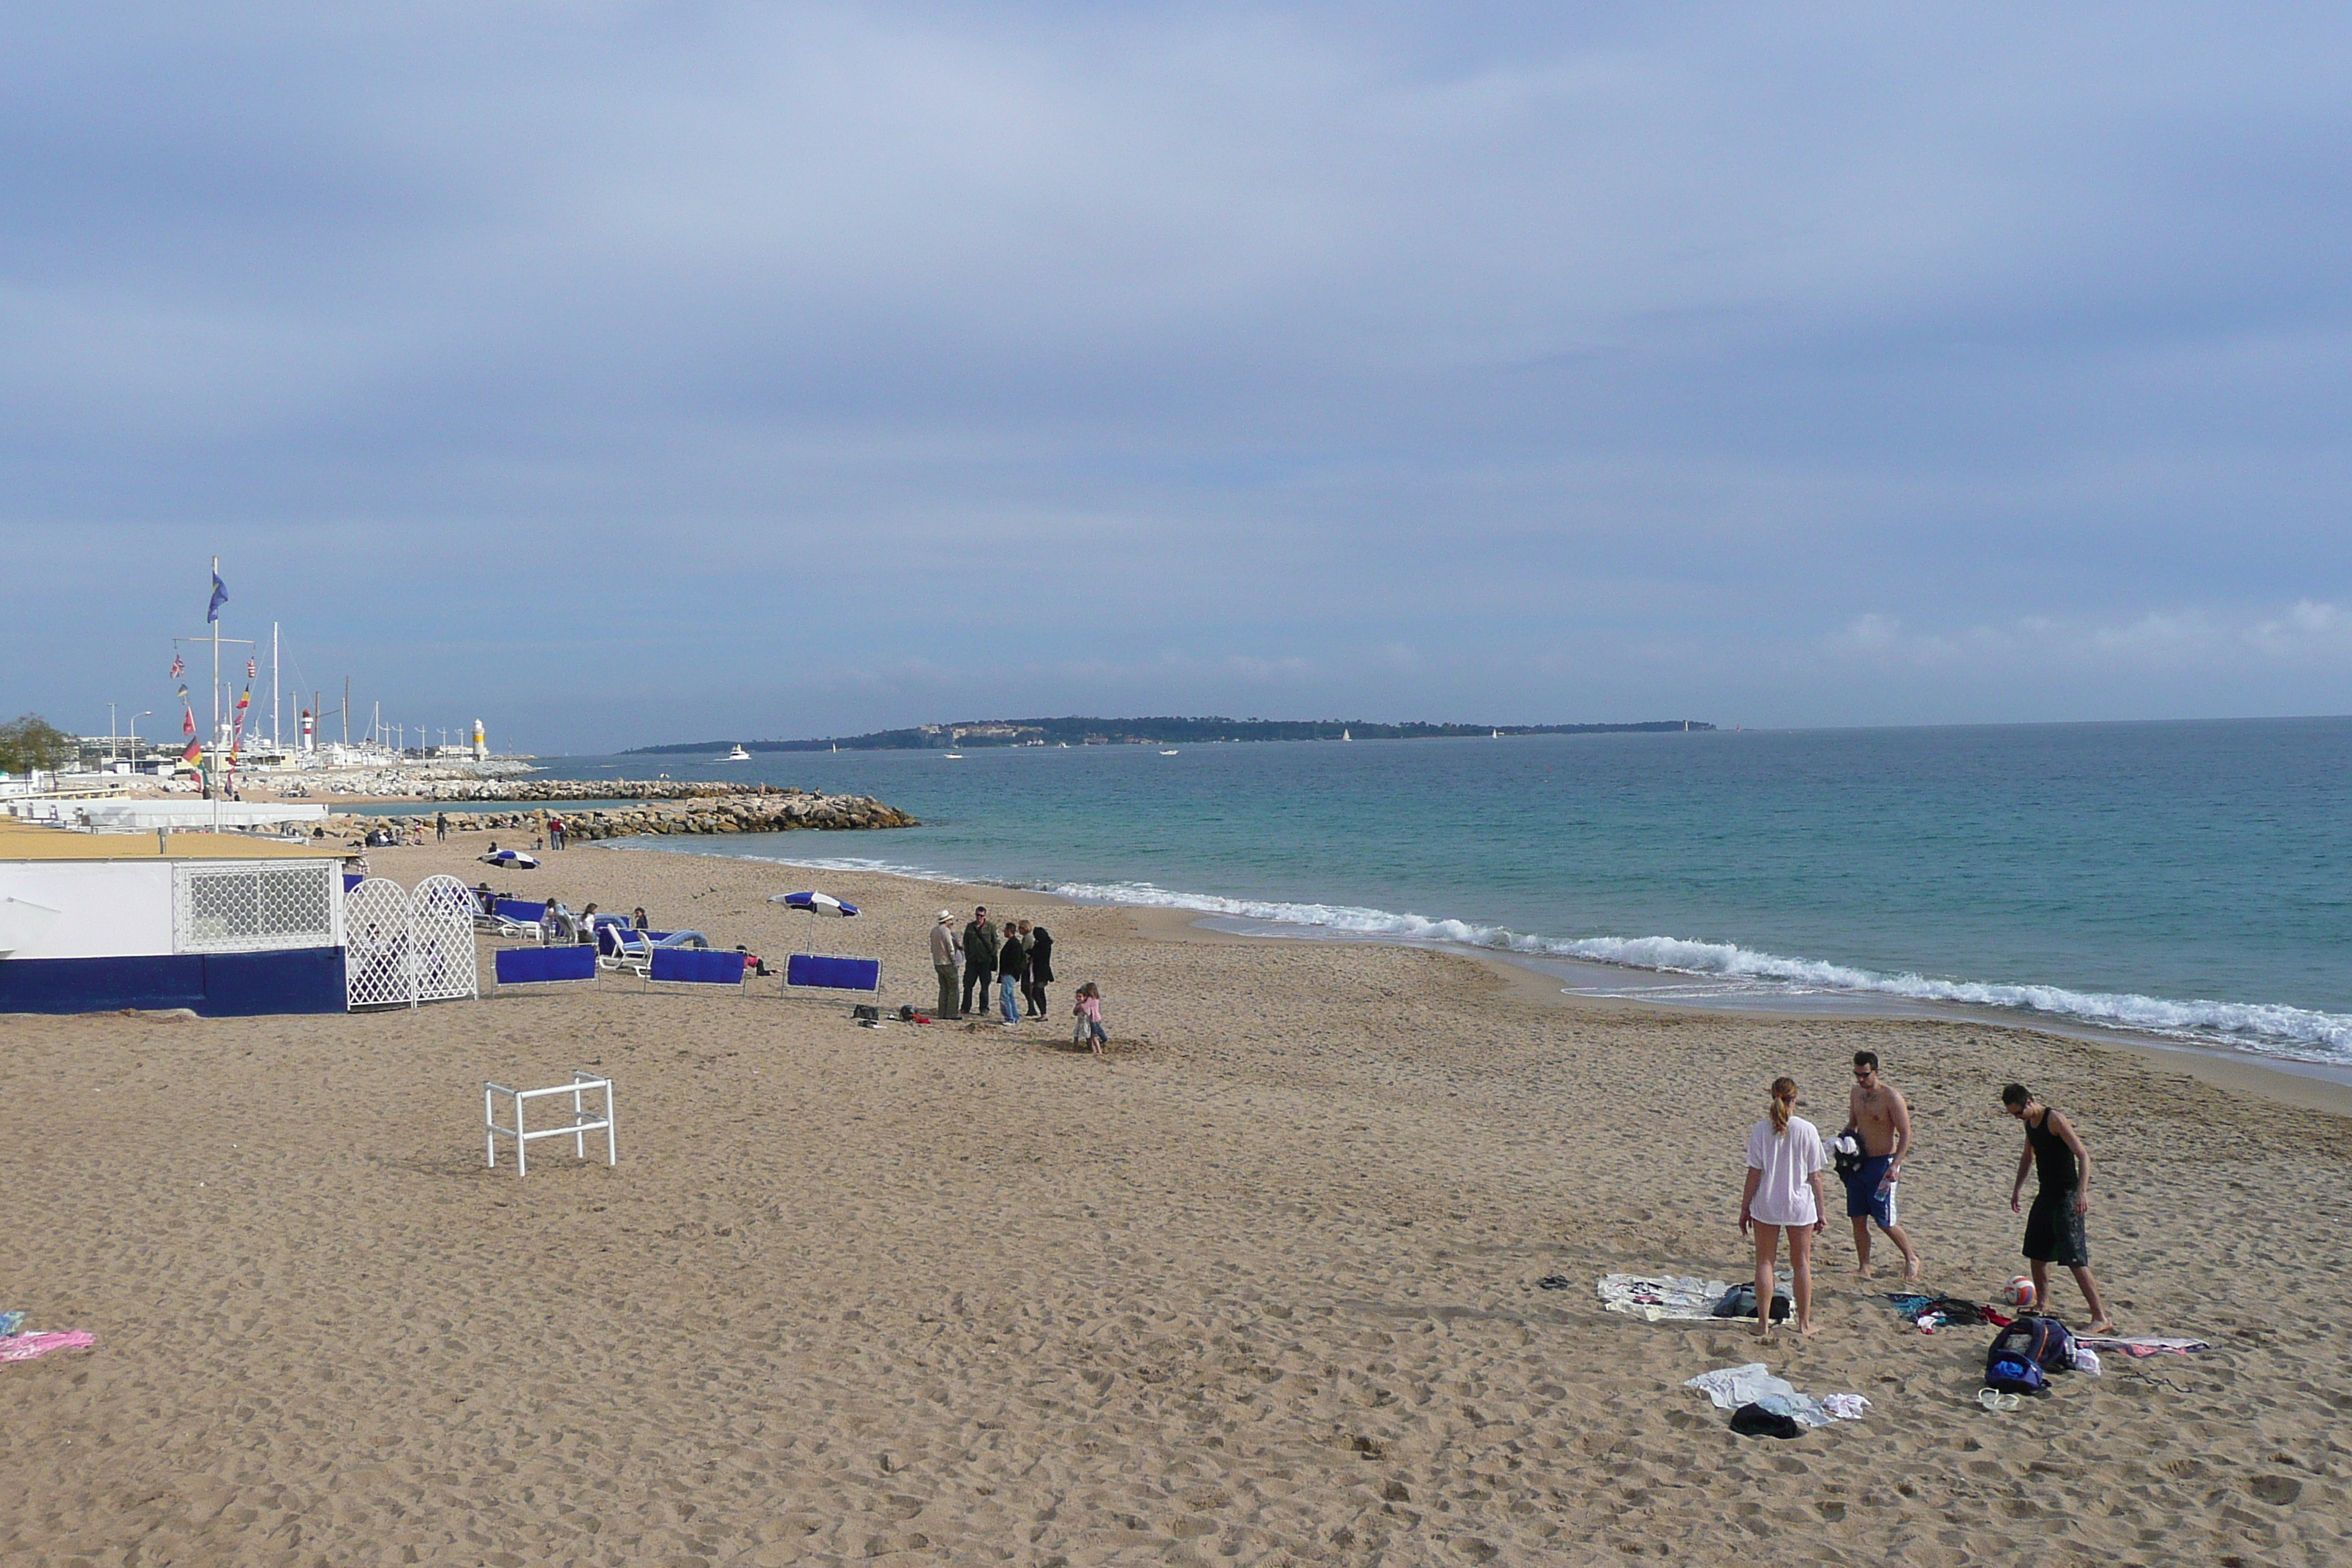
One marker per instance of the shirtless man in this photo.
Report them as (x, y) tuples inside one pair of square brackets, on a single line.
[(1878, 1114)]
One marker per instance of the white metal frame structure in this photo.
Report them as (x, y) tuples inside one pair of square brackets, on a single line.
[(582, 1123)]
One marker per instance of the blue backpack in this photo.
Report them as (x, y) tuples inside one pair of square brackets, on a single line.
[(2025, 1353)]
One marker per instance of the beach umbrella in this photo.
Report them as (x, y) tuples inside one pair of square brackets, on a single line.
[(815, 904), (514, 858)]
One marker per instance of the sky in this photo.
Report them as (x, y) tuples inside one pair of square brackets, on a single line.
[(630, 373)]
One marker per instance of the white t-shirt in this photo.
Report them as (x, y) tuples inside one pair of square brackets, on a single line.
[(1784, 1197)]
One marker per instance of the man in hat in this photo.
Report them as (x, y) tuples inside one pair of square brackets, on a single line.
[(944, 958)]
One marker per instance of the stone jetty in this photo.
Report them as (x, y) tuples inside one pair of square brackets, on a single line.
[(663, 806)]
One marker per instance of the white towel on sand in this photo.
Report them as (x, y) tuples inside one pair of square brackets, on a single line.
[(1661, 1298)]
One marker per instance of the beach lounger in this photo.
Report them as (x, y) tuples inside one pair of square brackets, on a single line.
[(542, 966), (816, 971), (618, 947), (515, 921)]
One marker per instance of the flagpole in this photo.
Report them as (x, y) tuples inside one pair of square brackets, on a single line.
[(275, 743), (212, 775)]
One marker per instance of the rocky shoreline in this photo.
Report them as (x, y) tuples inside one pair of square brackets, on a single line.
[(669, 809)]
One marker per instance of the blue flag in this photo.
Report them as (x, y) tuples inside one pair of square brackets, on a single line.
[(220, 597)]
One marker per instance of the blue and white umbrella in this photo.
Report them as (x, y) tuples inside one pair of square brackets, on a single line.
[(815, 904), (512, 858)]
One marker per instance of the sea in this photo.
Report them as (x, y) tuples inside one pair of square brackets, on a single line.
[(2189, 882)]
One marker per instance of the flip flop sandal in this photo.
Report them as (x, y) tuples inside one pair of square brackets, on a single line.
[(1995, 1399)]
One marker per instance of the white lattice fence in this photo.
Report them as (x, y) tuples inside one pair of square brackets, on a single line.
[(376, 968), (253, 909), (442, 940)]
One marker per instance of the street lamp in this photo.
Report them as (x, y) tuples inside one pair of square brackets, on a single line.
[(134, 737)]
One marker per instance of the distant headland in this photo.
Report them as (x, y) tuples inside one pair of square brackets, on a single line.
[(1160, 732)]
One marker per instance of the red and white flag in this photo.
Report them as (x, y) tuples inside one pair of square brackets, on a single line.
[(249, 672), (179, 666)]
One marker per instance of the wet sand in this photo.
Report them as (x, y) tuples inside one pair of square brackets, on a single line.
[(1261, 1286)]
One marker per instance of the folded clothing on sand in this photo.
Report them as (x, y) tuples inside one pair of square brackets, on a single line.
[(24, 1347), (1730, 1387), (10, 1323), (1661, 1298)]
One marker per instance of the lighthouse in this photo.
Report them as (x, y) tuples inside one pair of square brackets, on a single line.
[(482, 743)]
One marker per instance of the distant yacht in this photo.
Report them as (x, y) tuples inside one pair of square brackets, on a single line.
[(1498, 734), (1345, 736), (738, 755), (953, 756), (1169, 753)]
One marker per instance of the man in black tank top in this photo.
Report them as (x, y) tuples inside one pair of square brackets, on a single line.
[(2054, 1227)]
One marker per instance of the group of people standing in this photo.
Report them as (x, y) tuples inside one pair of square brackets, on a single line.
[(1785, 1158), (1017, 957)]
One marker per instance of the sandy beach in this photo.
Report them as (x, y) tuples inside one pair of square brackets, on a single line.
[(1261, 1286)]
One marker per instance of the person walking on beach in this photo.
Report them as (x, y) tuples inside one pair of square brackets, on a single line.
[(2054, 1226), (945, 956), (1883, 1123), (555, 833), (1041, 967), (1012, 970), (979, 957), (1784, 1193), (1088, 1013), (441, 827)]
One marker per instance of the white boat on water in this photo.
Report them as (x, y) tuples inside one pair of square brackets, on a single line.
[(953, 756), (1168, 751), (738, 755)]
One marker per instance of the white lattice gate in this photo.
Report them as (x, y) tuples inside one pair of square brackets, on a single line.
[(442, 940), (401, 950)]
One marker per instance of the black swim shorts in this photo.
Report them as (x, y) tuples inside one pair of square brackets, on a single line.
[(2053, 1231)]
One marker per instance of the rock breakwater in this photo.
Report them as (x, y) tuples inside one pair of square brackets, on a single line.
[(710, 808)]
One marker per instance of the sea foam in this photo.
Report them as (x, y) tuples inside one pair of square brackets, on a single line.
[(2268, 1028)]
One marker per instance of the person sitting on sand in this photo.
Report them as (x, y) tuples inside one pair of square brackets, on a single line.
[(1088, 1013), (1785, 1161), (2054, 1226), (1883, 1123), (638, 921)]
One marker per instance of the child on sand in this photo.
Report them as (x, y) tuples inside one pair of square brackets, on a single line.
[(1784, 1193), (1088, 1013)]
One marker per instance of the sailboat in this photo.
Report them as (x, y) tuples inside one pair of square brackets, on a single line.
[(1345, 736), (738, 755), (1498, 734)]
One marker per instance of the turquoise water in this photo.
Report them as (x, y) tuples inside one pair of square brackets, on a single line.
[(2188, 879)]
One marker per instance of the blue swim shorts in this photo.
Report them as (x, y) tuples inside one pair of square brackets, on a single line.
[(1864, 1199)]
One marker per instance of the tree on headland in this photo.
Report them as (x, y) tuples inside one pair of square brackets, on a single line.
[(32, 741)]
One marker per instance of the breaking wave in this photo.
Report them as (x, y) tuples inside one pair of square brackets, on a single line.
[(2268, 1028)]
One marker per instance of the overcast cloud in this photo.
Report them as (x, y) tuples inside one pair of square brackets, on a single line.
[(624, 374)]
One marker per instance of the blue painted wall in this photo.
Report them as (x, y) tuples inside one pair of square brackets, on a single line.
[(215, 985)]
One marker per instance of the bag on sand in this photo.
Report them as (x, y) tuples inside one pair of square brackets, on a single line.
[(2025, 1353), (866, 1013), (1845, 1154), (1740, 1302), (1754, 1421)]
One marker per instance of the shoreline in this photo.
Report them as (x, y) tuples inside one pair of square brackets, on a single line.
[(2289, 1080)]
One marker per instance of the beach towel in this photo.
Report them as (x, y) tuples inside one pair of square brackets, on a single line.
[(2141, 1346), (24, 1347), (1730, 1387), (1662, 1298)]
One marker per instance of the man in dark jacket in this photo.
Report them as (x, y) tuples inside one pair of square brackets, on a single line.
[(979, 957), (1041, 967)]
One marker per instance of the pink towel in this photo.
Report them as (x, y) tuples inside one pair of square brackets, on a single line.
[(24, 1347)]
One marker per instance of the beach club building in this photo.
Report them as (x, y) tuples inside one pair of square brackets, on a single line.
[(220, 923)]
